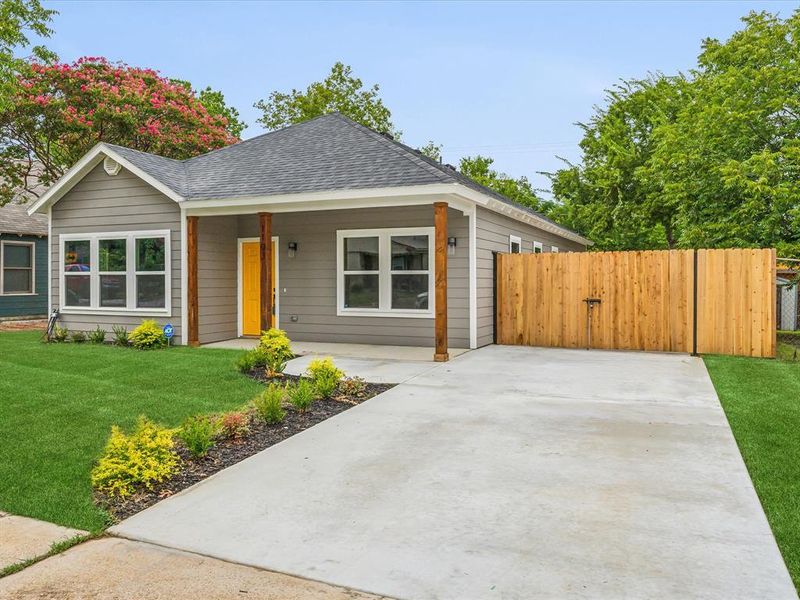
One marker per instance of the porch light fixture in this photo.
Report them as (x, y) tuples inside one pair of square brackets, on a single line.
[(451, 246), (292, 249)]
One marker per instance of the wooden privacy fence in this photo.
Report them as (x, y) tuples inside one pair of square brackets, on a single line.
[(648, 300)]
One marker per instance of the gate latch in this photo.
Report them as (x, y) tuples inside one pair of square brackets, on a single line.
[(592, 301)]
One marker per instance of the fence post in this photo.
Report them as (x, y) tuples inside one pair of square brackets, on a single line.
[(694, 304), (494, 297)]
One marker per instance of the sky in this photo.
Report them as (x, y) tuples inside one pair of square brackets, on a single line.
[(507, 80)]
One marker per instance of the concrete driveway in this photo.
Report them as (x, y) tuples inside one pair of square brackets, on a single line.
[(509, 472)]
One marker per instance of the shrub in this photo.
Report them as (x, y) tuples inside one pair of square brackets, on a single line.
[(301, 394), (145, 457), (325, 375), (148, 335), (198, 434), (353, 387), (120, 335), (276, 350), (234, 424), (269, 404), (246, 362), (60, 334), (97, 336), (78, 337)]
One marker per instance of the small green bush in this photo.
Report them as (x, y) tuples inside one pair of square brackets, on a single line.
[(302, 394), (234, 424), (97, 336), (246, 362), (144, 458), (325, 375), (198, 434), (269, 404), (78, 337), (148, 335), (120, 335), (353, 387), (60, 334), (276, 349)]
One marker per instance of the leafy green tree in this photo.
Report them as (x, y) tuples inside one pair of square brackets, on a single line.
[(432, 150), (340, 92), (214, 103), (709, 159), (478, 168), (19, 19)]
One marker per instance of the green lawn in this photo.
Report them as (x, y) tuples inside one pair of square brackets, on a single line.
[(761, 398), (59, 401)]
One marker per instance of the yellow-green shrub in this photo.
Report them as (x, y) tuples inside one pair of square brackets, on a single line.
[(276, 350), (145, 457), (148, 335), (325, 375)]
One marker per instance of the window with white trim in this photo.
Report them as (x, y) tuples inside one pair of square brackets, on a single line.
[(515, 244), (553, 248), (121, 271), (17, 268), (385, 272), (537, 247)]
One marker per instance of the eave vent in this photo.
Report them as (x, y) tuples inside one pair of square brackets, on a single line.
[(111, 166)]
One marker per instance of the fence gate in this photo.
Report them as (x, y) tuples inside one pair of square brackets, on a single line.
[(647, 300)]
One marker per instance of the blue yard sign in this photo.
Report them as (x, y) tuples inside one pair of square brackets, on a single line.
[(169, 331)]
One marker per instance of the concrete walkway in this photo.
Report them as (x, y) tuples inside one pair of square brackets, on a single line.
[(509, 472), (114, 569), (22, 538)]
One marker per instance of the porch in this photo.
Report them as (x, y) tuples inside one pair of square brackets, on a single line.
[(393, 277)]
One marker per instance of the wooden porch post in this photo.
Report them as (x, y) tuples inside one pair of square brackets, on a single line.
[(193, 336), (265, 255), (440, 237)]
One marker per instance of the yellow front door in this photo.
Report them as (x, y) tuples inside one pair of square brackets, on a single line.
[(251, 288)]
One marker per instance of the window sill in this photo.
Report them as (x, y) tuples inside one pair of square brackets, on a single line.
[(141, 312), (20, 294), (405, 314)]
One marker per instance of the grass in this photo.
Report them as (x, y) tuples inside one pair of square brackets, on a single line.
[(761, 398), (59, 401)]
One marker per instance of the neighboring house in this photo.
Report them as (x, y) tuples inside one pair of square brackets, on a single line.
[(360, 226), (23, 263)]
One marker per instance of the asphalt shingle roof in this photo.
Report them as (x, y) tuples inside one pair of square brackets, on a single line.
[(14, 219), (327, 153)]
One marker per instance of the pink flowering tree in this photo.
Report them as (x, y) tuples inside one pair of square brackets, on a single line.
[(59, 111)]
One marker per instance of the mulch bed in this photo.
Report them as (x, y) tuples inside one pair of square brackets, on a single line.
[(228, 452)]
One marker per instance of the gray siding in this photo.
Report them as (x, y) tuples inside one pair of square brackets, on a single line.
[(28, 305), (100, 203), (307, 282), (493, 231), (217, 259)]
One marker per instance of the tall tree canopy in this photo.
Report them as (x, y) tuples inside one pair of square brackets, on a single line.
[(60, 111), (478, 168), (214, 103), (340, 92), (708, 159), (19, 19)]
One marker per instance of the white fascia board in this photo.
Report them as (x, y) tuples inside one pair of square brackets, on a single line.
[(80, 169), (331, 200), (518, 214)]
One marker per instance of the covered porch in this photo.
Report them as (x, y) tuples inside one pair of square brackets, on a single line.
[(391, 277)]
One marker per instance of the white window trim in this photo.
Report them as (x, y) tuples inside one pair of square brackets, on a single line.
[(385, 273), (32, 246), (537, 246), (130, 287), (554, 249), (514, 239)]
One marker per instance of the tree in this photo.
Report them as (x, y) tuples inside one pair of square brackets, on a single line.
[(520, 190), (432, 150), (19, 18), (610, 195), (61, 110), (340, 92), (709, 159), (214, 103)]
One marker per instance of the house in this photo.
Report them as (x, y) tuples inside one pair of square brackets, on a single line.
[(23, 262), (359, 238)]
